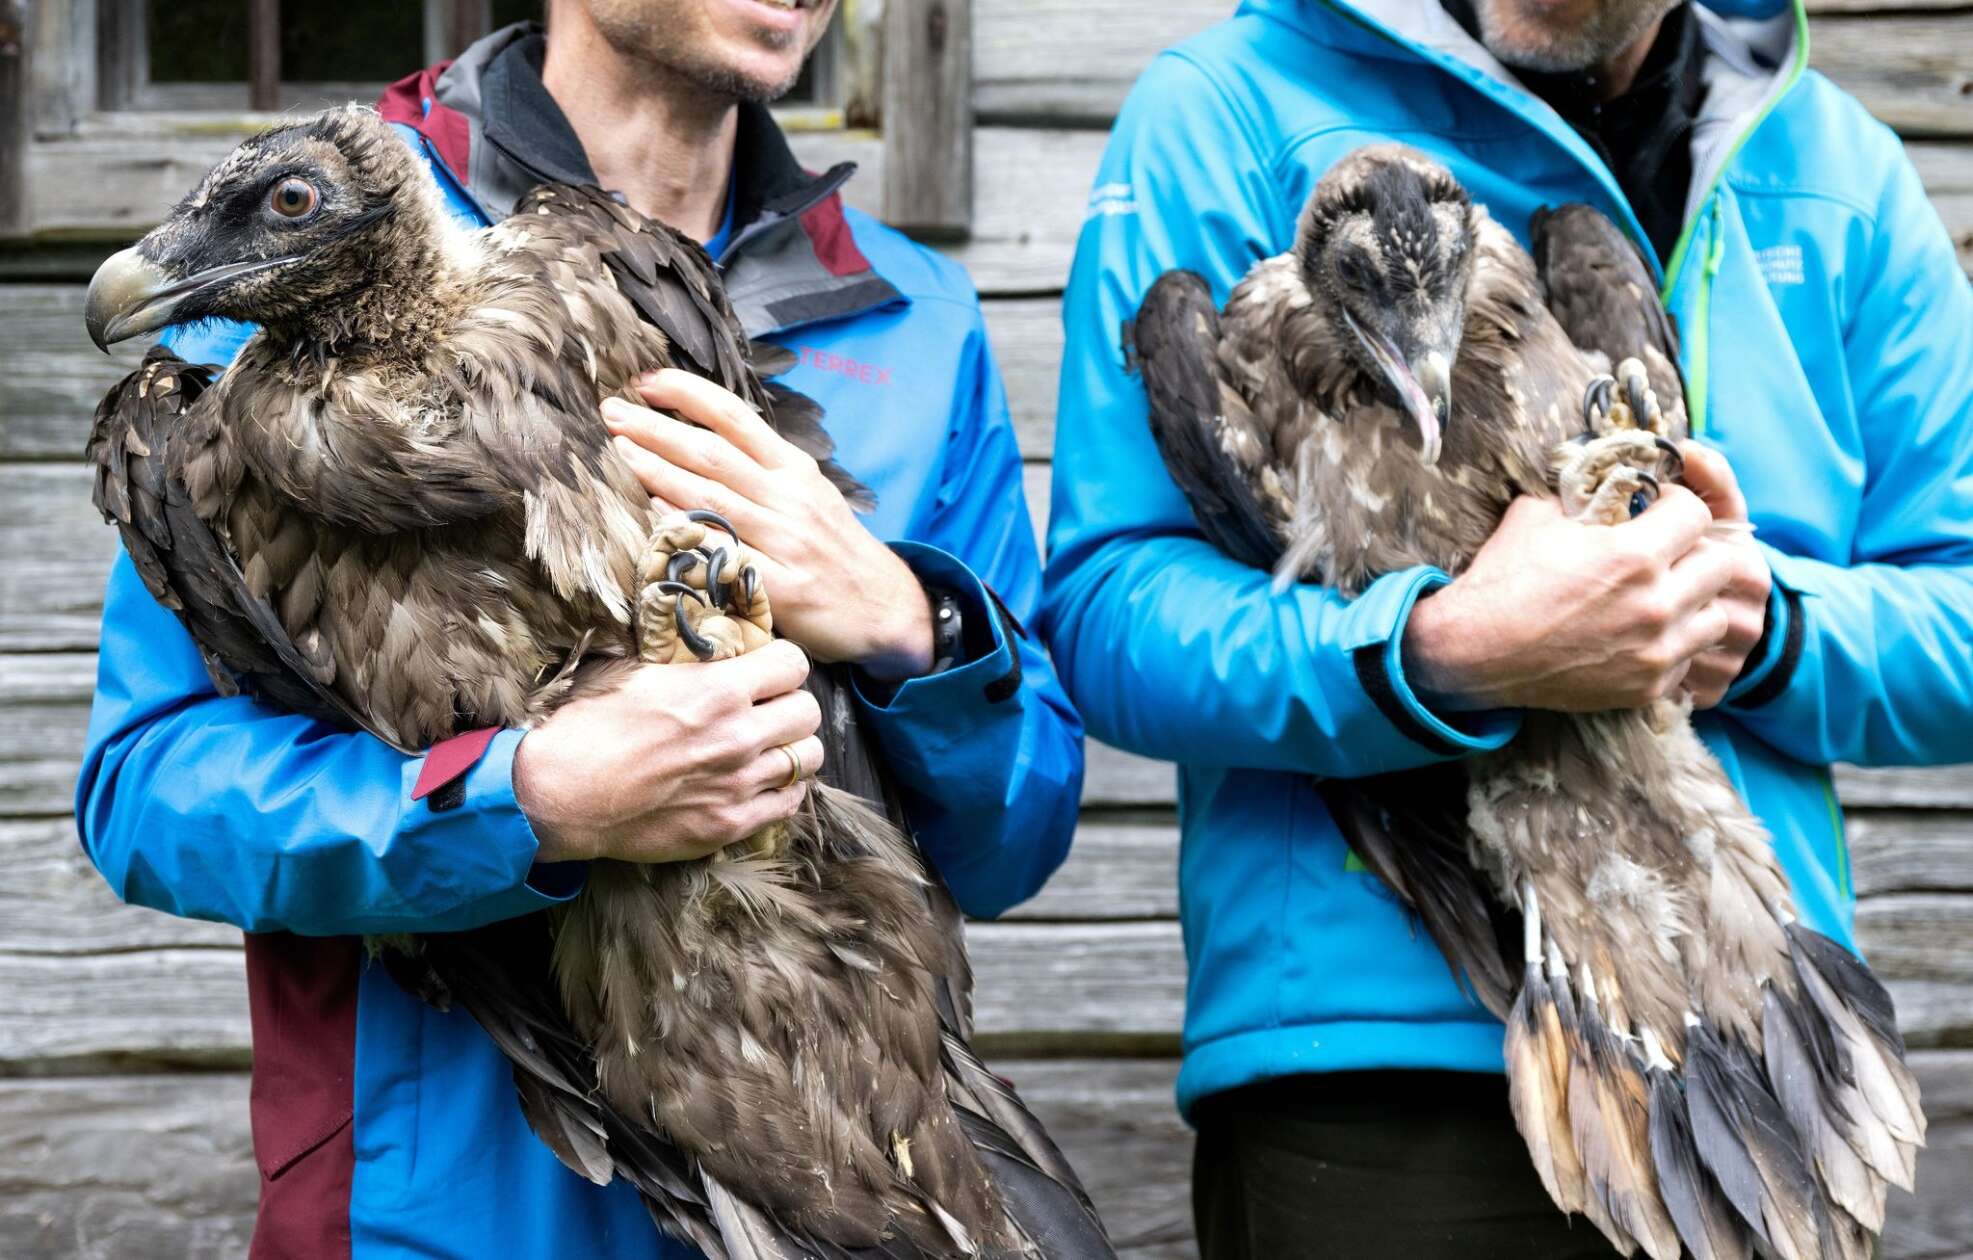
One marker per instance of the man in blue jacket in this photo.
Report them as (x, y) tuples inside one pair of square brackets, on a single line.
[(1346, 1092), (383, 1127)]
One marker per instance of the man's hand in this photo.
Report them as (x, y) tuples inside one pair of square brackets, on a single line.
[(1708, 475), (674, 762), (1555, 614), (834, 588)]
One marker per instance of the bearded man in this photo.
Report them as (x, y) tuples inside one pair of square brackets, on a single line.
[(1346, 1091), (382, 1126)]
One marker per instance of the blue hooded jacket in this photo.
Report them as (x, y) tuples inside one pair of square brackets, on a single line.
[(1829, 349), (384, 1127)]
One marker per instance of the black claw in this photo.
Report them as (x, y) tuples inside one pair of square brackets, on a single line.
[(1637, 391), (716, 576), (1648, 479), (680, 564), (700, 646), (1670, 448), (750, 584), (706, 516), (680, 588), (1597, 398)]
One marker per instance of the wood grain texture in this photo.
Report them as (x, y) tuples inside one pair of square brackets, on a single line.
[(143, 1167), (928, 117), (1096, 961)]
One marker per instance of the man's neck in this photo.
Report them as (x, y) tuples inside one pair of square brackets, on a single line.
[(665, 144), (1614, 77)]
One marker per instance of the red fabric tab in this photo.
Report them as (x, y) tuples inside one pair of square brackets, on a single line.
[(451, 758), (829, 235)]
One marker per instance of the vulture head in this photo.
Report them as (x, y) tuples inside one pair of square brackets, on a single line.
[(292, 230), (1385, 247)]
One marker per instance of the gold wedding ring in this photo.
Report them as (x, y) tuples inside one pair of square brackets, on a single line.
[(794, 765)]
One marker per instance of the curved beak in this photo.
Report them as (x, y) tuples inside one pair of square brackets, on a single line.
[(130, 295), (1423, 386)]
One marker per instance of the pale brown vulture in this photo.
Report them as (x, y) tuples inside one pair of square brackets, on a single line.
[(400, 510), (1688, 1064)]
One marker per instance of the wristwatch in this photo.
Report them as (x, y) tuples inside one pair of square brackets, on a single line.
[(948, 630)]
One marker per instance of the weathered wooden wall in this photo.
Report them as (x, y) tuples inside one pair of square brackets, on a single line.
[(123, 1033)]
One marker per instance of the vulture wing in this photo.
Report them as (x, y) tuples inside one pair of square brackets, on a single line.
[(1175, 341), (185, 565), (675, 285), (1600, 289)]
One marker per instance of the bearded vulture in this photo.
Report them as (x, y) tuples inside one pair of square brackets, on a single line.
[(1689, 1065), (399, 510)]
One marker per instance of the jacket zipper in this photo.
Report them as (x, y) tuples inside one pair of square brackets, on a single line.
[(1698, 352)]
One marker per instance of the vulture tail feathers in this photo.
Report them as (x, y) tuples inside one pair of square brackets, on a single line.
[(1707, 1223), (1745, 1139), (1409, 829), (1537, 1050), (1609, 1113), (1811, 1099), (1004, 1121), (1865, 1055), (1172, 342), (1052, 1216)]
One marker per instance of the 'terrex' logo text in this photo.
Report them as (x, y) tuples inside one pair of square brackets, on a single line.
[(825, 361)]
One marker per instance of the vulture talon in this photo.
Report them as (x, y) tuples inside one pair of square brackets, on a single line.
[(1597, 400), (1670, 448), (716, 576), (679, 565), (680, 588), (750, 584), (700, 646), (706, 516)]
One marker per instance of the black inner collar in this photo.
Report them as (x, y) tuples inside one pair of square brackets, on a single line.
[(1645, 135)]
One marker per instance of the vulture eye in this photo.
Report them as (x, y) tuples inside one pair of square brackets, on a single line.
[(293, 199), (1354, 271)]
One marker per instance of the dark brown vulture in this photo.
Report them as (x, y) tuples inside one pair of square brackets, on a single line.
[(1688, 1064), (399, 510)]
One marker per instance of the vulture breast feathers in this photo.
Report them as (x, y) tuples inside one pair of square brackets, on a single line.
[(1692, 1067), (399, 510)]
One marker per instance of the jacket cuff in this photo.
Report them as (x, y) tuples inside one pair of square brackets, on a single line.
[(988, 676), (1375, 642), (468, 831), (1771, 666)]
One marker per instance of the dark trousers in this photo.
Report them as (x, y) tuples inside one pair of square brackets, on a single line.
[(1349, 1165)]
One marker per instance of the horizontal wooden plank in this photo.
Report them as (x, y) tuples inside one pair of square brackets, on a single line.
[(1041, 986), (136, 1167), (1073, 60), (55, 553), (55, 375), (144, 1167)]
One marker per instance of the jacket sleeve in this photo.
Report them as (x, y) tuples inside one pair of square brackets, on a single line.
[(221, 808), (1872, 661), (1170, 648), (988, 754)]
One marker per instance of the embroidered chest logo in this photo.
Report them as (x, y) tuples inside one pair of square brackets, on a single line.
[(1781, 264), (857, 370)]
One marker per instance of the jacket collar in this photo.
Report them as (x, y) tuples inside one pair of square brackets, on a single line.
[(792, 258), (1752, 54)]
